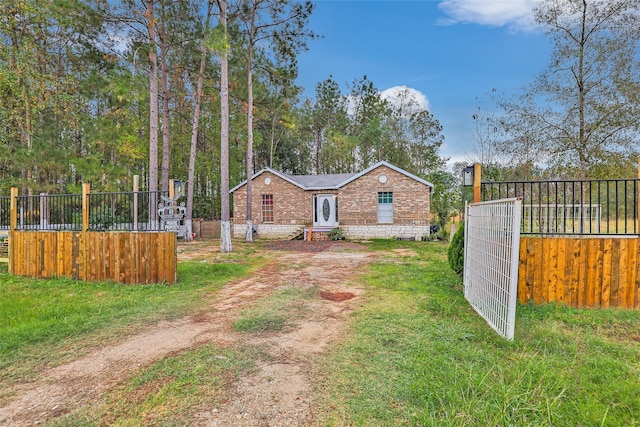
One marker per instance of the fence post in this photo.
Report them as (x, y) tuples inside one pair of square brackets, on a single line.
[(136, 188), (13, 223), (86, 189), (45, 211), (13, 213), (477, 172)]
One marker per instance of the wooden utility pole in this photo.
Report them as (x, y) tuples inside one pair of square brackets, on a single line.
[(172, 188), (477, 180)]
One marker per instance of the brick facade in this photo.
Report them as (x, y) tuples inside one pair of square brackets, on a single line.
[(359, 199), (357, 206), (291, 204)]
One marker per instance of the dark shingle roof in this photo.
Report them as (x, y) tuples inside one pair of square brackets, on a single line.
[(319, 182), (330, 181)]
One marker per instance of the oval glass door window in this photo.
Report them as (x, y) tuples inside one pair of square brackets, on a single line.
[(326, 210)]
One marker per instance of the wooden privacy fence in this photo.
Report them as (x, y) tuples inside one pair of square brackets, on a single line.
[(124, 257), (580, 271)]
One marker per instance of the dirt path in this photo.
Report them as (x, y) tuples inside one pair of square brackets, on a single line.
[(277, 393)]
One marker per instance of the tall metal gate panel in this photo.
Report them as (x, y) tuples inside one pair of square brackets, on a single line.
[(492, 245)]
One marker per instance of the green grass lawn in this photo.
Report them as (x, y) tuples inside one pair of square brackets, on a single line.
[(415, 353), (47, 322), (420, 355)]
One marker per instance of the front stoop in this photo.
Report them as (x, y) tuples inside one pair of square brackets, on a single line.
[(317, 233), (298, 234)]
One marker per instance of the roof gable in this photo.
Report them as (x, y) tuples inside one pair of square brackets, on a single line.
[(330, 181), (390, 166), (275, 172)]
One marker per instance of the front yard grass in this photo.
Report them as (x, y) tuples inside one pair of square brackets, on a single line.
[(414, 353), (47, 322), (420, 355)]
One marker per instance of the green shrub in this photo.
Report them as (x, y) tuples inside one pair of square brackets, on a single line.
[(106, 220), (335, 234), (455, 253)]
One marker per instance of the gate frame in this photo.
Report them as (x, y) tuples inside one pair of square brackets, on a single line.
[(483, 277)]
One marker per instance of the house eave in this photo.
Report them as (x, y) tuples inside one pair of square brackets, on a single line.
[(390, 166), (267, 169), (338, 186)]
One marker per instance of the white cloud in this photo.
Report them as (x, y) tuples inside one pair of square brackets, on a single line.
[(515, 14), (407, 98)]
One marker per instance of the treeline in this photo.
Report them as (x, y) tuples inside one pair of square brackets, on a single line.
[(580, 118), (77, 80)]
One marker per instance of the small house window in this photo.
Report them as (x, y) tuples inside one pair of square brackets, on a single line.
[(267, 208), (385, 207)]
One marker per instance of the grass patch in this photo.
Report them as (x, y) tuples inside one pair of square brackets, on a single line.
[(419, 355), (274, 312), (172, 390), (45, 322)]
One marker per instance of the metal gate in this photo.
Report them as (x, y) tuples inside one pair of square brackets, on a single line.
[(492, 245)]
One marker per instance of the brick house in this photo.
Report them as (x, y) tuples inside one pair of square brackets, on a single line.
[(383, 201)]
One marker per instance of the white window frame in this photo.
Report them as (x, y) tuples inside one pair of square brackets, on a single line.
[(385, 208), (264, 208)]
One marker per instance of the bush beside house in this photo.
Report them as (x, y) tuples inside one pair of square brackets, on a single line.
[(455, 253)]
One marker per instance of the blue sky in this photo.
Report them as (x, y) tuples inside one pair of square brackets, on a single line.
[(452, 51)]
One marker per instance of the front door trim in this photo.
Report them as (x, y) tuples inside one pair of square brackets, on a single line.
[(325, 210)]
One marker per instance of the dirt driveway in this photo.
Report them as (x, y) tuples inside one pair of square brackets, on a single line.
[(277, 393)]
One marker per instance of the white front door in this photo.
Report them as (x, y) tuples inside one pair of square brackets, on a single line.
[(325, 210)]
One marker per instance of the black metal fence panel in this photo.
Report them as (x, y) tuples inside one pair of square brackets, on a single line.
[(123, 211), (49, 212), (5, 212), (590, 207)]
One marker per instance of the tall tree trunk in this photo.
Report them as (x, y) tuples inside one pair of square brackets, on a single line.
[(27, 138), (225, 223), (249, 231), (166, 149), (581, 112), (318, 149), (582, 92), (153, 114), (194, 130), (272, 145)]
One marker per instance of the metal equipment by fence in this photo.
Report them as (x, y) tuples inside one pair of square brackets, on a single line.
[(590, 207), (492, 244)]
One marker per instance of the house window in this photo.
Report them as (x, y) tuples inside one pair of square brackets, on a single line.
[(385, 207), (267, 208)]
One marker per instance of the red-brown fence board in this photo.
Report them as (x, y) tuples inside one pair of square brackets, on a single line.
[(580, 271), (123, 257)]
